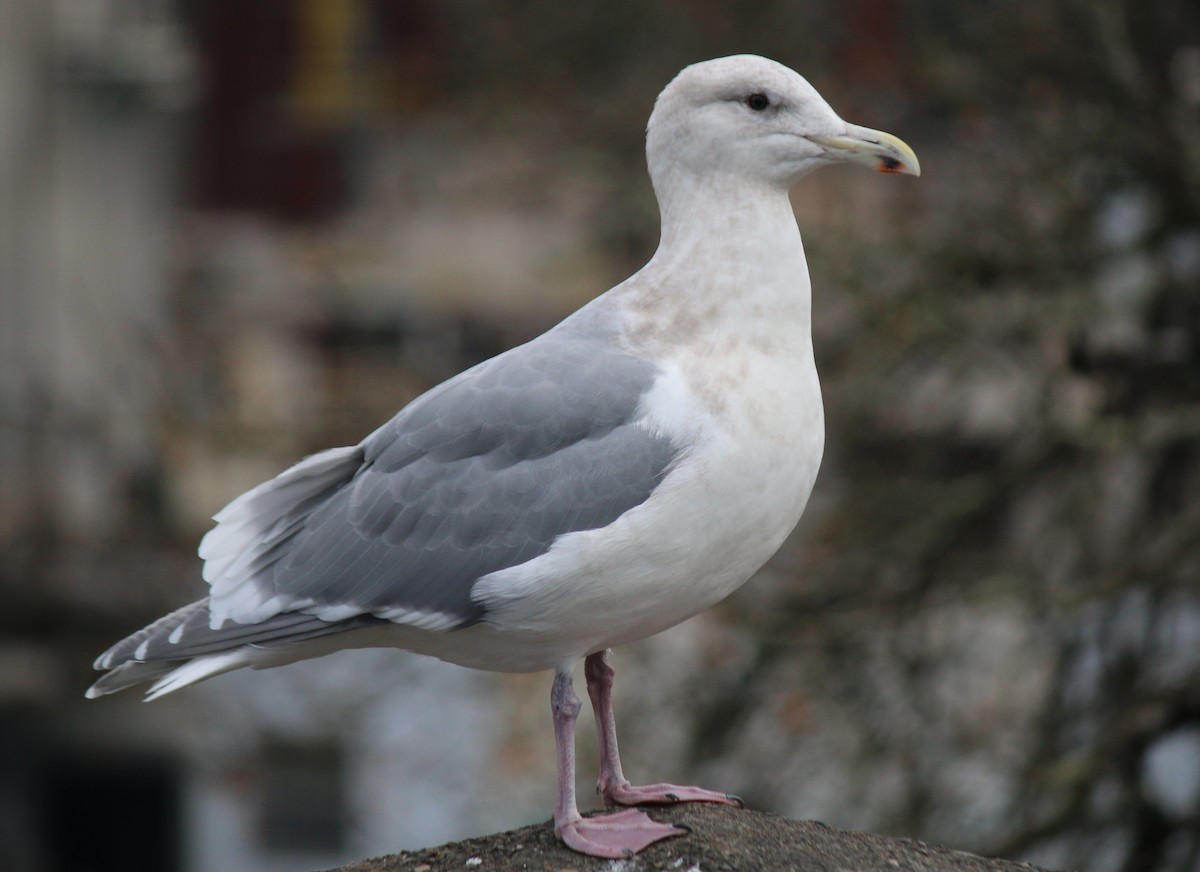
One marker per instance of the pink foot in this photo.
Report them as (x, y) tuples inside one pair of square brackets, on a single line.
[(617, 835), (664, 794)]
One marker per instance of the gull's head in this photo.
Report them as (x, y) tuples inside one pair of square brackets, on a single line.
[(753, 119)]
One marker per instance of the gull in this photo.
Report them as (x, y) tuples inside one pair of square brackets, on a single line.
[(615, 476)]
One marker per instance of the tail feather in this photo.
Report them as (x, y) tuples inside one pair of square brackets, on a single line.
[(182, 648)]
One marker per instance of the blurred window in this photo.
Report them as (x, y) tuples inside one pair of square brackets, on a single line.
[(110, 811), (303, 797)]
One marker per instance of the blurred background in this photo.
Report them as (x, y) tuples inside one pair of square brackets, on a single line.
[(234, 232)]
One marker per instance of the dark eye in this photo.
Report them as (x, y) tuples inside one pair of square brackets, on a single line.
[(758, 101)]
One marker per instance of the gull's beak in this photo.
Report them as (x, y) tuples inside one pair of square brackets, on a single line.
[(874, 148)]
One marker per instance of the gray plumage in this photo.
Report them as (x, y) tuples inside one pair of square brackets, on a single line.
[(479, 474)]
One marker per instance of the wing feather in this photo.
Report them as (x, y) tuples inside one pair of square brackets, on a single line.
[(480, 474)]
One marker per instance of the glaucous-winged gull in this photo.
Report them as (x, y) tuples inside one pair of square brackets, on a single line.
[(611, 478)]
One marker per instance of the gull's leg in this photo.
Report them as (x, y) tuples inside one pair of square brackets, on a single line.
[(616, 835), (613, 784)]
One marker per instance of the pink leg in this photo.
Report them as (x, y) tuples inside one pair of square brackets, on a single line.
[(613, 784), (616, 835)]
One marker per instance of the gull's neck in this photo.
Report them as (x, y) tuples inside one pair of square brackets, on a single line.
[(729, 258), (724, 208)]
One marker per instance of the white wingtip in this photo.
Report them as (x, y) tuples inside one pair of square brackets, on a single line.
[(198, 670)]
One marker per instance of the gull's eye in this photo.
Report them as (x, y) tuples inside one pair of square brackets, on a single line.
[(758, 101)]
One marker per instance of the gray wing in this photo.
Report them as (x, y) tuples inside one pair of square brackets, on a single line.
[(480, 474)]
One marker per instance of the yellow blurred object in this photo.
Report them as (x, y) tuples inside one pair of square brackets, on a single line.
[(326, 89)]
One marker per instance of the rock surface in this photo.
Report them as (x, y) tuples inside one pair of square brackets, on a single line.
[(722, 840)]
